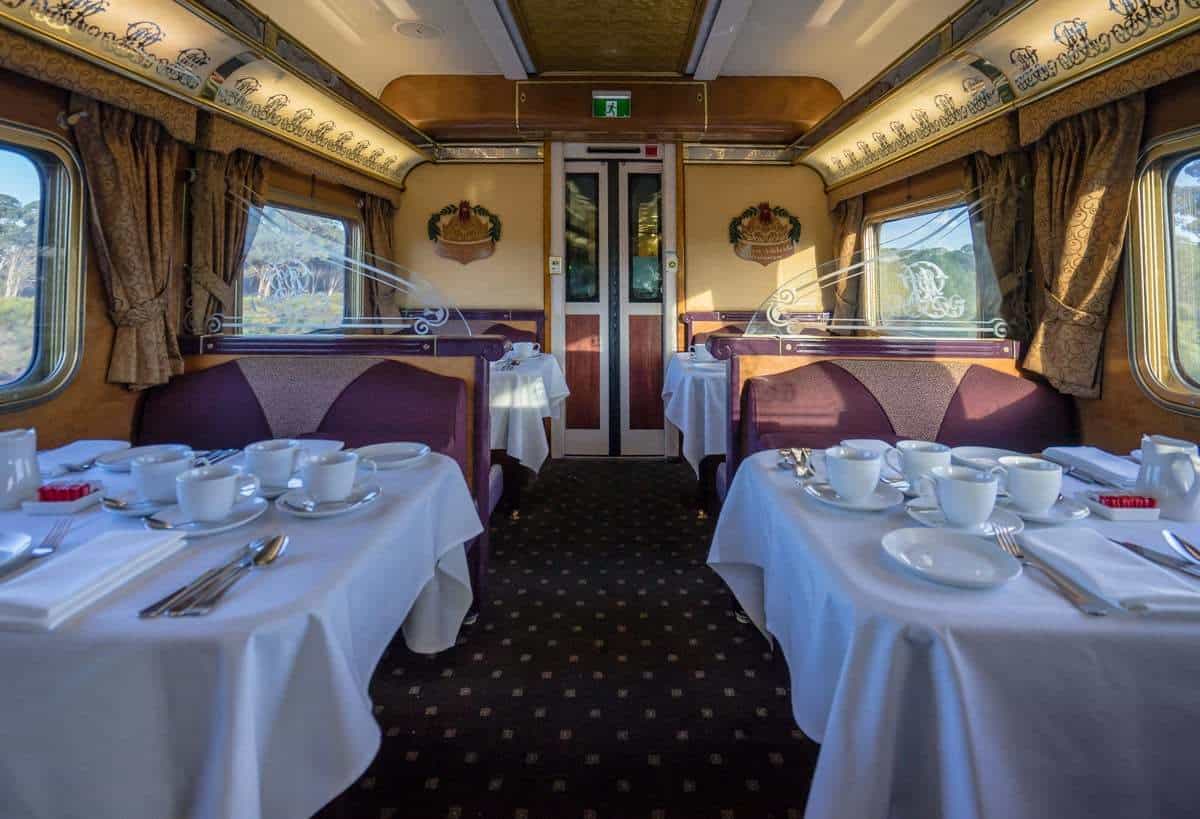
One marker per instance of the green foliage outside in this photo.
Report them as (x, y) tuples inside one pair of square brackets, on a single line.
[(1185, 240), (294, 279)]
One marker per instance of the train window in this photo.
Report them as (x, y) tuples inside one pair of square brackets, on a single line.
[(300, 273), (41, 277), (1164, 273), (922, 277)]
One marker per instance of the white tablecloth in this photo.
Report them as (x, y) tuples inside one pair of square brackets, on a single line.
[(695, 396), (930, 701), (257, 711), (520, 399)]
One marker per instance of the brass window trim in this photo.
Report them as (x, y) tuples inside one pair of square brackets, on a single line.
[(1150, 317), (59, 312), (869, 287)]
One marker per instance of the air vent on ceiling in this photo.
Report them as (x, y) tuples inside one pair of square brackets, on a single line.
[(418, 29)]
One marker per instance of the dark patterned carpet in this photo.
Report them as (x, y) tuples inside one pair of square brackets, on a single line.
[(607, 675)]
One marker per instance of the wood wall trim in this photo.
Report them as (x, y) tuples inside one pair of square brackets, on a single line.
[(680, 244), (47, 64), (996, 136), (1144, 71), (547, 252), (223, 136), (490, 348), (726, 346)]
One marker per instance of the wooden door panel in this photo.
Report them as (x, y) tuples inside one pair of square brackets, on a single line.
[(645, 372), (583, 371)]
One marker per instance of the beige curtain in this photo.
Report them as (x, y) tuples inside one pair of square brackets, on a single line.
[(1083, 175), (1005, 216), (847, 250), (223, 226), (131, 164), (379, 241)]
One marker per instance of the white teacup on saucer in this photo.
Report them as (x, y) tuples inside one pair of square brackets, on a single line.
[(208, 493), (853, 473), (330, 477)]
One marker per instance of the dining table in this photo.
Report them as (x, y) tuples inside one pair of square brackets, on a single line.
[(935, 701), (258, 710), (523, 392), (695, 398)]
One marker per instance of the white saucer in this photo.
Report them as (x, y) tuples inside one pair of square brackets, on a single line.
[(979, 457), (951, 558), (362, 495), (884, 497), (397, 455), (933, 517), (243, 512), (273, 492), (534, 357), (121, 460), (1064, 511), (13, 547)]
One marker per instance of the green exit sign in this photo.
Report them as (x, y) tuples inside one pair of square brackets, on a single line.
[(611, 104)]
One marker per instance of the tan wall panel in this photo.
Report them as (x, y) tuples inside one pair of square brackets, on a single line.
[(719, 280), (512, 276), (88, 407)]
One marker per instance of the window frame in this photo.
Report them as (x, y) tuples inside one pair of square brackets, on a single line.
[(869, 288), (355, 289), (1149, 276), (62, 282)]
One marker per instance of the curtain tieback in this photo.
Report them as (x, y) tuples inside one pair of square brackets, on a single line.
[(141, 313), (221, 290), (1060, 310)]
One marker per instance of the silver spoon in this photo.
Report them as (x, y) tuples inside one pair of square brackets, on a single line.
[(118, 505), (202, 583), (260, 559)]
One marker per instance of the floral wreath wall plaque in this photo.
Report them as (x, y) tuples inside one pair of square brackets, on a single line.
[(464, 232), (764, 234)]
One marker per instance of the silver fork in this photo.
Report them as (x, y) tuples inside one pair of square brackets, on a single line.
[(1083, 600), (54, 538)]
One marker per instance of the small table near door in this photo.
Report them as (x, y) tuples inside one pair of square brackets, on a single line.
[(522, 394), (695, 400)]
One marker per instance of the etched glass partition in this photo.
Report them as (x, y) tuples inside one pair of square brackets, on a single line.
[(921, 272), (307, 272)]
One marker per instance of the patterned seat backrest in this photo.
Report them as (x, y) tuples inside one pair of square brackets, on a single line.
[(956, 403), (356, 399)]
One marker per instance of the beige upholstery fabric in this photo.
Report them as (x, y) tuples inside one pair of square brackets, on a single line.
[(131, 164), (223, 225), (914, 394), (1084, 170), (295, 392)]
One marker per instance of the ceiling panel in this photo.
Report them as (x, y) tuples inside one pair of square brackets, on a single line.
[(844, 41), (596, 36), (357, 38)]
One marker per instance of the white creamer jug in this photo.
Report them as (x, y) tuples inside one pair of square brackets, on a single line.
[(1169, 475), (19, 475)]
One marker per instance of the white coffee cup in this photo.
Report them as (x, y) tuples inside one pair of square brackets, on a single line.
[(273, 461), (853, 473), (330, 477), (525, 349), (154, 474), (967, 496), (208, 493), (1033, 484), (915, 459), (701, 353)]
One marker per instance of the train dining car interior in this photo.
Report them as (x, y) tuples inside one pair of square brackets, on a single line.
[(507, 409)]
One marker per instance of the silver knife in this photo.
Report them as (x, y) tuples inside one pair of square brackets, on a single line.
[(1179, 565)]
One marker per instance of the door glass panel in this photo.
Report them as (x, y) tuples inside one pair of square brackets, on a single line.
[(645, 258), (583, 237), (1184, 194)]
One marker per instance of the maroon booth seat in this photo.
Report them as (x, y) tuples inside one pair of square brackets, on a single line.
[(958, 404), (360, 400)]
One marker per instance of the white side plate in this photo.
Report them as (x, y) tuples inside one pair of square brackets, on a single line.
[(13, 546), (950, 558), (979, 457), (397, 455)]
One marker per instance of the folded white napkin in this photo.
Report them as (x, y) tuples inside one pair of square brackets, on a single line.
[(62, 585), (1120, 577), (1096, 463), (51, 461)]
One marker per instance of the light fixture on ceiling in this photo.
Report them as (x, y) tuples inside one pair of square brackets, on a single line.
[(418, 29)]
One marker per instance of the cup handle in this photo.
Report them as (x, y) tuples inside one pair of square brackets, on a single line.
[(249, 486), (1001, 477), (367, 462), (887, 459), (537, 348)]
